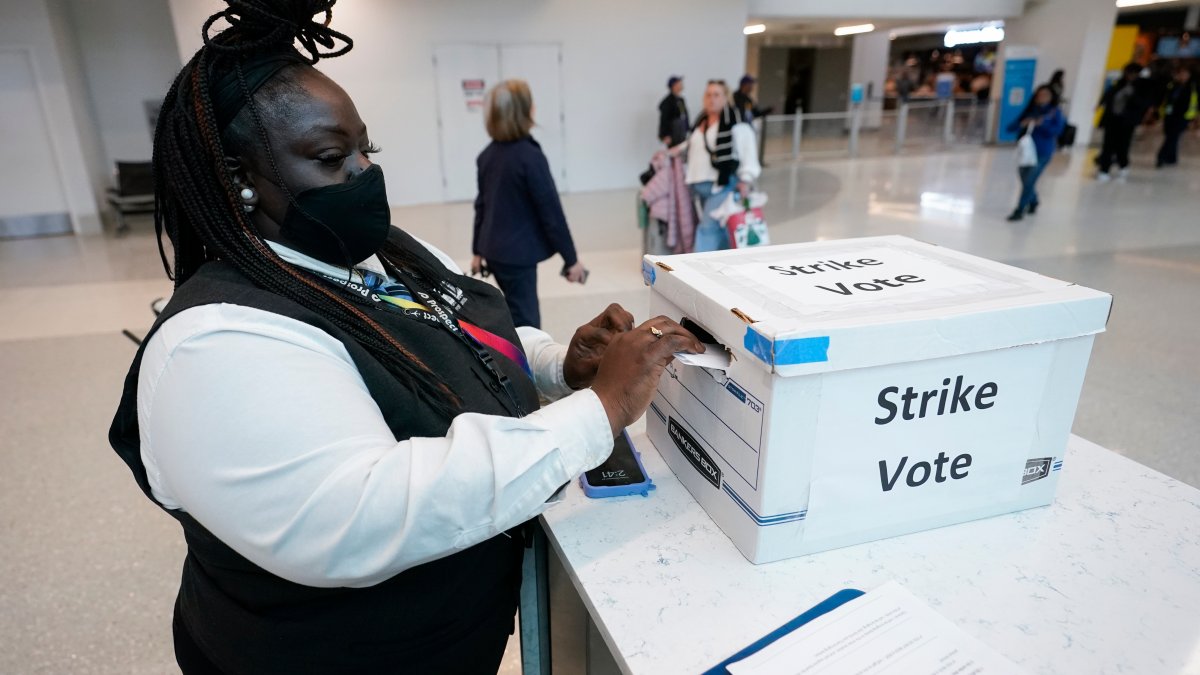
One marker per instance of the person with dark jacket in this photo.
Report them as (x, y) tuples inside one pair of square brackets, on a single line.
[(743, 100), (1125, 104), (1181, 103), (1058, 86), (673, 113), (519, 220), (1043, 121)]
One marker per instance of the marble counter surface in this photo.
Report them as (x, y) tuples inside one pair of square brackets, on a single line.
[(1105, 580)]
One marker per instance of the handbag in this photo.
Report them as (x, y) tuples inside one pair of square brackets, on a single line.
[(1067, 138), (747, 228), (1026, 151)]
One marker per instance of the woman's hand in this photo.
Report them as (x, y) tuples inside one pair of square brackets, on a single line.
[(576, 273), (632, 364), (743, 190), (589, 344), (476, 266)]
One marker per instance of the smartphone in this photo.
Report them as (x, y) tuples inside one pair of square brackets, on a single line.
[(621, 474)]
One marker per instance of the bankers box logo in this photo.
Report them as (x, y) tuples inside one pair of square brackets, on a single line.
[(1036, 469), (694, 454)]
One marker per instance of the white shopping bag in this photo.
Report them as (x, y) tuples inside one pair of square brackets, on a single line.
[(733, 204), (743, 222), (1026, 151)]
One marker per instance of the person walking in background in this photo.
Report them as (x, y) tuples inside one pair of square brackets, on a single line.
[(673, 113), (1181, 103), (722, 158), (743, 100), (904, 85), (1043, 122), (1125, 104), (519, 220), (1057, 86)]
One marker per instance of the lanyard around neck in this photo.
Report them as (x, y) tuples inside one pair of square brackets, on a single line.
[(481, 335), (429, 309), (466, 333)]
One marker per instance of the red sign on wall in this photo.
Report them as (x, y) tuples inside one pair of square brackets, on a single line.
[(473, 91)]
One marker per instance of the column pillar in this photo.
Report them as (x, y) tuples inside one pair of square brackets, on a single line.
[(1073, 35), (868, 67)]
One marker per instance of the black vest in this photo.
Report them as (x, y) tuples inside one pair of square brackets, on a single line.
[(248, 620)]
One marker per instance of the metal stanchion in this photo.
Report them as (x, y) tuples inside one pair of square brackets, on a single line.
[(901, 126), (855, 124), (797, 129), (535, 604), (989, 124), (948, 123), (762, 140)]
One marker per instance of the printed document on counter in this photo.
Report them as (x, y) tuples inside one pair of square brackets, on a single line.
[(888, 630)]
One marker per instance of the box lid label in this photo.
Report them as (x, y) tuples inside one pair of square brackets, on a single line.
[(813, 282)]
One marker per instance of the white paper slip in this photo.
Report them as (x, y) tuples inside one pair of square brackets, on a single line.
[(714, 356), (888, 630)]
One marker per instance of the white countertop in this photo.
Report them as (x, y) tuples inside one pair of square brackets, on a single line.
[(1105, 580)]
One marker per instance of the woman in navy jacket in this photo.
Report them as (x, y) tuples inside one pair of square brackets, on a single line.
[(519, 220), (1044, 121)]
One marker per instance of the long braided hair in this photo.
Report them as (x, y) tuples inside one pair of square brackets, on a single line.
[(197, 202)]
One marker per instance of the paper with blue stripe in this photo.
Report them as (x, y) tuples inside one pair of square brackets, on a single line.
[(824, 607)]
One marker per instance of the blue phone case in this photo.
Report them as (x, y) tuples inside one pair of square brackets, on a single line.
[(599, 491)]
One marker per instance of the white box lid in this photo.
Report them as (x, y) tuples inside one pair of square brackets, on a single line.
[(854, 303)]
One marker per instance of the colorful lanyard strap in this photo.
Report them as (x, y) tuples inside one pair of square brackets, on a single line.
[(480, 335), (399, 295)]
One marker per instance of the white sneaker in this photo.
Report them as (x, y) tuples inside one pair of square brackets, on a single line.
[(1102, 177), (1123, 175)]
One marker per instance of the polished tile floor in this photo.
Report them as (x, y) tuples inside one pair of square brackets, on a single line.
[(91, 568)]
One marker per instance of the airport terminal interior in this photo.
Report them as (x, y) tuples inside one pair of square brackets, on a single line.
[(897, 127)]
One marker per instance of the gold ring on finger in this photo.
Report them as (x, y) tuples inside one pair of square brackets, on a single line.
[(657, 333)]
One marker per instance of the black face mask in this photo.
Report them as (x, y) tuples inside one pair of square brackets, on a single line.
[(341, 224)]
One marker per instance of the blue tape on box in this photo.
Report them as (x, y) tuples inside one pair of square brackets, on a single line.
[(648, 272), (786, 352)]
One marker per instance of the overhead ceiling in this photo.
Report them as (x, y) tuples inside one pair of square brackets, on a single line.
[(824, 27)]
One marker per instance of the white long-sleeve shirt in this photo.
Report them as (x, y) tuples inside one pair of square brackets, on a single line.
[(261, 428), (699, 161)]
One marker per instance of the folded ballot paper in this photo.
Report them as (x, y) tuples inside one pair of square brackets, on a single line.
[(886, 631), (714, 356)]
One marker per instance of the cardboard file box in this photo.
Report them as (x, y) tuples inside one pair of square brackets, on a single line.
[(878, 387)]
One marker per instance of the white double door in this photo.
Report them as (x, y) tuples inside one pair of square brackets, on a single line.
[(464, 72), (32, 198)]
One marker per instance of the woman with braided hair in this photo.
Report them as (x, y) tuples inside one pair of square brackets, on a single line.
[(346, 427)]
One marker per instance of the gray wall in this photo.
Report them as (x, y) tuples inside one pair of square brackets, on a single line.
[(37, 26), (831, 77), (772, 77), (610, 87), (128, 54), (75, 82)]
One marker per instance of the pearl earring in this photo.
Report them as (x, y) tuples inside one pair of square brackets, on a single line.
[(247, 194)]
